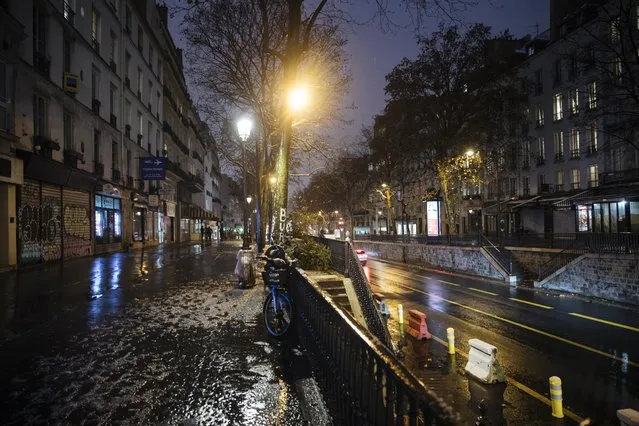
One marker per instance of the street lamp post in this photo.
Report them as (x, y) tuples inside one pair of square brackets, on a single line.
[(244, 131)]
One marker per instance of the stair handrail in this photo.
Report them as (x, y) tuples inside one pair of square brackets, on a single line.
[(504, 261), (556, 262)]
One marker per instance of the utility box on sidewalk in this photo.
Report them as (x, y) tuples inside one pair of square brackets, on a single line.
[(245, 269)]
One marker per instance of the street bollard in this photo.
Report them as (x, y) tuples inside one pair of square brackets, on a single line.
[(400, 313), (556, 397), (450, 332)]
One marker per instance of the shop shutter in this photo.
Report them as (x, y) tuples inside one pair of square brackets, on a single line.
[(29, 222), (51, 223), (77, 223)]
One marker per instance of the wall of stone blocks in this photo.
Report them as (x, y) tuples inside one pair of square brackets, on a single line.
[(612, 277), (468, 260)]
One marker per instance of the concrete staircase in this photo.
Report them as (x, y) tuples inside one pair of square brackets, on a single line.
[(334, 286)]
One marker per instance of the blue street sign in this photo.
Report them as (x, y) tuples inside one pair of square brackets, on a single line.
[(152, 168)]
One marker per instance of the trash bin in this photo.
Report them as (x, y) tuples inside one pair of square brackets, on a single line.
[(245, 268)]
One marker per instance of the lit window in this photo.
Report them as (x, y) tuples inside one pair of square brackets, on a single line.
[(559, 145), (557, 107), (574, 101), (575, 178), (540, 115), (592, 95), (593, 176)]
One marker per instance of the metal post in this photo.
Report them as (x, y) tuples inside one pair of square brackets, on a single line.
[(246, 244)]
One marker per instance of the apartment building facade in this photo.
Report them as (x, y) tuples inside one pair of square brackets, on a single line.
[(85, 106), (576, 166)]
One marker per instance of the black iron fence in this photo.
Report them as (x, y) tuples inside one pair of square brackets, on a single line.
[(617, 243), (345, 262), (362, 381), (444, 240)]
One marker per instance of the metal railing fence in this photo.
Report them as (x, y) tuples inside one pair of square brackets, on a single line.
[(345, 262), (592, 242), (361, 379)]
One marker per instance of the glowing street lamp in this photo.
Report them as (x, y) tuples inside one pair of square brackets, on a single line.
[(244, 126), (298, 98)]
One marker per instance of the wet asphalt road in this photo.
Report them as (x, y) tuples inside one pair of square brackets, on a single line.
[(538, 335), (161, 337)]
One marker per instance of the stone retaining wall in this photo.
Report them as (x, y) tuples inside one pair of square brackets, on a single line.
[(612, 277), (461, 259)]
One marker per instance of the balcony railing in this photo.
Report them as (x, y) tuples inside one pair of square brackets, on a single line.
[(541, 161), (95, 43), (69, 13), (559, 157), (591, 150), (575, 185), (593, 183), (575, 154), (619, 176)]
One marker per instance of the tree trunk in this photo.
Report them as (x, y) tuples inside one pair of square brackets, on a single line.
[(290, 66)]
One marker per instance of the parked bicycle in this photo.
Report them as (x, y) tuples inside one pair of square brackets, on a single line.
[(278, 307)]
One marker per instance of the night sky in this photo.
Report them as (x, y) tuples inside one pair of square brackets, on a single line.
[(374, 53)]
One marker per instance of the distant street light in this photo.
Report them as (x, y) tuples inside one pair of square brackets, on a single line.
[(244, 126)]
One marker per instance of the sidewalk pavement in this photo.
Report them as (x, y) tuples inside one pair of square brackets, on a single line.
[(160, 338)]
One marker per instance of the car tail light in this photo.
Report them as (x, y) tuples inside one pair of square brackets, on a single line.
[(360, 251)]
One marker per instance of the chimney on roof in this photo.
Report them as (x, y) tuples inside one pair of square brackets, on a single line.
[(163, 10)]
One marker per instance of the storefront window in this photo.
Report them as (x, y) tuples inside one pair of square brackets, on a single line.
[(108, 220), (583, 221), (606, 218), (597, 216), (634, 216)]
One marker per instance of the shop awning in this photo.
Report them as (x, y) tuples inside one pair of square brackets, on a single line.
[(602, 195), (521, 203), (567, 201)]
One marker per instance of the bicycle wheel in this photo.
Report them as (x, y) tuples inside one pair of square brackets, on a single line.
[(278, 315)]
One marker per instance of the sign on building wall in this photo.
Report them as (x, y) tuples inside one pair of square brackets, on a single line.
[(152, 168)]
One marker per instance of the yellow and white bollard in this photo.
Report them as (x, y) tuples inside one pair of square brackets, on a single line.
[(450, 332), (556, 397), (400, 313)]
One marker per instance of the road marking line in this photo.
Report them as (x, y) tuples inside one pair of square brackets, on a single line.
[(519, 386), (531, 303), (627, 327), (483, 291), (449, 283), (525, 327)]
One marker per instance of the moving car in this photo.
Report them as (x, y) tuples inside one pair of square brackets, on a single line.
[(362, 256)]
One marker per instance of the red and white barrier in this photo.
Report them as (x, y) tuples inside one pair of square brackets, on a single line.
[(417, 325)]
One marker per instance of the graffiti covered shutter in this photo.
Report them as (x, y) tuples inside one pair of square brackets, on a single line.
[(77, 223), (51, 223), (29, 222)]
